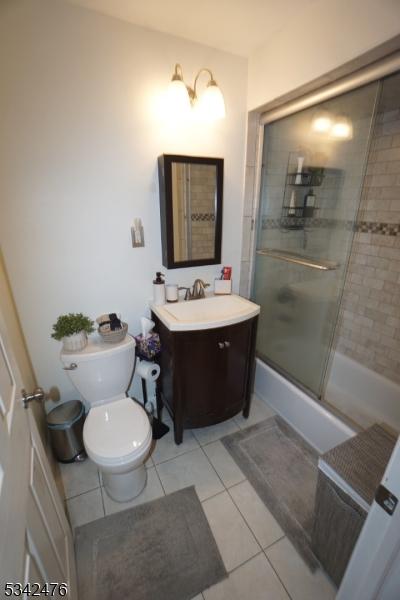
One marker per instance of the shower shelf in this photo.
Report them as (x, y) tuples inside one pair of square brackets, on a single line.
[(313, 177), (299, 212), (299, 259)]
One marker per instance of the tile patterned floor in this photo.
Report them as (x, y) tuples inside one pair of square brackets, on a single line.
[(261, 562)]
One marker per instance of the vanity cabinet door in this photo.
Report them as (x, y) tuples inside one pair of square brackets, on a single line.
[(214, 373), (206, 376), (237, 353), (202, 374)]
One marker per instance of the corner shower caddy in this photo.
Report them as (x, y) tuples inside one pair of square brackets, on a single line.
[(310, 177)]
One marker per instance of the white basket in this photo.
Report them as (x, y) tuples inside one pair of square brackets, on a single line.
[(113, 337)]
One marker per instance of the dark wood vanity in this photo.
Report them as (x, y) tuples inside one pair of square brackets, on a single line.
[(206, 375)]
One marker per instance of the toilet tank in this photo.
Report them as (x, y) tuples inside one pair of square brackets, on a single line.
[(103, 371)]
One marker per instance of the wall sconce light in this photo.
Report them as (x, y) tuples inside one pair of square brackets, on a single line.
[(209, 104)]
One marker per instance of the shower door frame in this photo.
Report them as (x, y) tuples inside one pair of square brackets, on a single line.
[(359, 78)]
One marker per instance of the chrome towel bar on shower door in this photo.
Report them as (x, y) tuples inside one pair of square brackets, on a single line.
[(305, 261)]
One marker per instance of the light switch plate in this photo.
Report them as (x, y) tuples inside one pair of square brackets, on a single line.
[(137, 234)]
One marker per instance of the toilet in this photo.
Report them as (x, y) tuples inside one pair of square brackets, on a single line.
[(117, 434)]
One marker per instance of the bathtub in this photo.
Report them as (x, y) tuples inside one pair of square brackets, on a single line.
[(358, 392), (316, 424), (362, 394)]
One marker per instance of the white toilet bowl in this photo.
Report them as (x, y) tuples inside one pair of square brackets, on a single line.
[(117, 437), (117, 433)]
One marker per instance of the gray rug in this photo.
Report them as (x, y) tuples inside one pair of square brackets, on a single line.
[(163, 550), (283, 469)]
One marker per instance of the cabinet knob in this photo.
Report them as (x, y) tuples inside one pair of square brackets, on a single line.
[(227, 344), (221, 345)]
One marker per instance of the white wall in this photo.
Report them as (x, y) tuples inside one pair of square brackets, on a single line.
[(319, 38), (81, 133)]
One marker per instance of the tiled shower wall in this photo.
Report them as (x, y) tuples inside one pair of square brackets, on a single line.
[(369, 324), (249, 199), (369, 331)]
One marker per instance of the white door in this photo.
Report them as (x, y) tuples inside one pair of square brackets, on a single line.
[(36, 545), (373, 572)]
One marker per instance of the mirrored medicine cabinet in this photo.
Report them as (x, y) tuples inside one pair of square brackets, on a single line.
[(191, 191)]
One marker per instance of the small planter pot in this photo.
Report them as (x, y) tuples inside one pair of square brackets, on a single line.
[(77, 341)]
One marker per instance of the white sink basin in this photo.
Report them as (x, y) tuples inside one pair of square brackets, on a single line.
[(207, 313)]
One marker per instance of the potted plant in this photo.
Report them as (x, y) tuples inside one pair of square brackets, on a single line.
[(72, 330)]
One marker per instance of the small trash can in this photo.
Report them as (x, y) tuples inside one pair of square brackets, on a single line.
[(65, 424)]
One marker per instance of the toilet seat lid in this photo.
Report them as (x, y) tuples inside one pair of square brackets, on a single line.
[(116, 430)]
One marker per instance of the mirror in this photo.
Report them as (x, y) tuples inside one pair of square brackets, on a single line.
[(191, 210)]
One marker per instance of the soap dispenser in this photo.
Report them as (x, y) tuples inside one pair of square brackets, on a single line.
[(159, 289)]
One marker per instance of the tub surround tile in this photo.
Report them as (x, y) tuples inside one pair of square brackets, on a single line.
[(376, 245), (223, 463), (255, 580), (192, 468), (85, 508), (377, 230), (249, 191), (79, 477), (299, 581), (246, 238), (244, 278), (257, 516), (252, 137), (235, 541), (152, 491)]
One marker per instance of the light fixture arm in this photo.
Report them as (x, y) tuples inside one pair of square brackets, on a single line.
[(178, 74), (211, 82)]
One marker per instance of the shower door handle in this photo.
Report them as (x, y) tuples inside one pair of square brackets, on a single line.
[(298, 259)]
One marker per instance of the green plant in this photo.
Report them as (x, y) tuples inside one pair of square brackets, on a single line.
[(72, 323)]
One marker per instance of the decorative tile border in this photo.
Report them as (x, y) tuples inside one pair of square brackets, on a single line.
[(379, 228), (360, 226), (321, 223), (202, 217)]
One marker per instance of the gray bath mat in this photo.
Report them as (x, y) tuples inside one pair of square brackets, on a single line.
[(161, 550), (283, 469)]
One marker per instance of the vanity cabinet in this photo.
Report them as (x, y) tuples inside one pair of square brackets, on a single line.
[(206, 375)]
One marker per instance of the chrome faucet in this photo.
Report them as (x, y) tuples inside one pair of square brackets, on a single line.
[(197, 291)]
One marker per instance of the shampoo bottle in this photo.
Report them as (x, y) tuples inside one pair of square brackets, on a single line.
[(159, 289), (309, 200)]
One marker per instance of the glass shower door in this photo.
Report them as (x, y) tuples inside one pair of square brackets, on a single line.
[(313, 168)]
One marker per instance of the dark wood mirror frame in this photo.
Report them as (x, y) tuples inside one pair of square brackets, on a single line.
[(166, 208)]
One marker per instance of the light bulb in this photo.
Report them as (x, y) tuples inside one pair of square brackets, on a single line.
[(178, 99), (342, 128), (322, 122), (210, 106)]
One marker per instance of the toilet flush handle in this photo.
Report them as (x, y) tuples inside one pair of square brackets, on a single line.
[(71, 367)]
